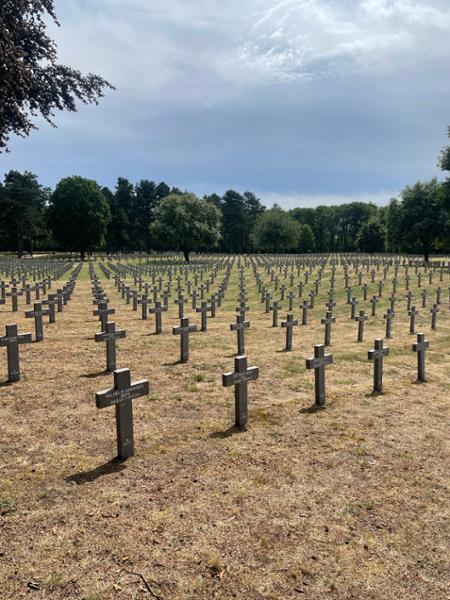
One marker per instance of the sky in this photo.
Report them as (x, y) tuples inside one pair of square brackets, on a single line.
[(303, 102)]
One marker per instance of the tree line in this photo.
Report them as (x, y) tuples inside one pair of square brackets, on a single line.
[(79, 215)]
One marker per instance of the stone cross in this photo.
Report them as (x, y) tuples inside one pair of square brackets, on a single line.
[(389, 316), (239, 378), (304, 306), (11, 340), (353, 302), (143, 301), (240, 326), (290, 300), (181, 301), (327, 321), (274, 308), (377, 354), (37, 314), (374, 301), (51, 303), (102, 311), (289, 324), (183, 331), (412, 312), (14, 294), (203, 309), (157, 310), (361, 319), (110, 335), (409, 297), (121, 396), (242, 308), (423, 294), (421, 346), (434, 311), (318, 363)]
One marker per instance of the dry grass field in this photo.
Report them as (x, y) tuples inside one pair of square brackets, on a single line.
[(348, 502)]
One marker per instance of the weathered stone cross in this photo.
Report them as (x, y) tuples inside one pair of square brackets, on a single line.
[(318, 363), (110, 335), (421, 346), (289, 324), (240, 326), (37, 314), (183, 331), (377, 355), (239, 378), (11, 340), (121, 396)]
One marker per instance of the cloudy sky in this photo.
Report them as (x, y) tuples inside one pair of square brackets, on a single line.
[(301, 101)]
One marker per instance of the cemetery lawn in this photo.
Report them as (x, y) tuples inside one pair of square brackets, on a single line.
[(346, 502)]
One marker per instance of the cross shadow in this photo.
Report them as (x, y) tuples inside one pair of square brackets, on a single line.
[(233, 355), (6, 383), (94, 375), (283, 351), (374, 394), (221, 435), (311, 410), (176, 362), (420, 381), (112, 466)]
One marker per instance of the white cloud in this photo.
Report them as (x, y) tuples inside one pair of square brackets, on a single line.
[(214, 48)]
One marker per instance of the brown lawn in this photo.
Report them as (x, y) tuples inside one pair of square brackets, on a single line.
[(348, 502)]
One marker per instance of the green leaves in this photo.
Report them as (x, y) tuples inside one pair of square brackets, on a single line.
[(183, 222), (78, 214)]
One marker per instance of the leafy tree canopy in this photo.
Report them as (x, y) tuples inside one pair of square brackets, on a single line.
[(22, 207), (276, 231), (31, 80), (422, 215), (184, 222), (372, 236), (79, 214)]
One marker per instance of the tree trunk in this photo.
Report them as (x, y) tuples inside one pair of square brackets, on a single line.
[(82, 255), (426, 252), (186, 255)]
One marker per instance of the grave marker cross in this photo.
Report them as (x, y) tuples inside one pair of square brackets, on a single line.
[(289, 324), (183, 331), (121, 396), (240, 326), (377, 355), (110, 335), (239, 378), (37, 314), (11, 340), (421, 346), (318, 363)]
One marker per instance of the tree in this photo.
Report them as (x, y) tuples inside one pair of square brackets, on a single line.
[(22, 206), (372, 236), (307, 242), (144, 214), (185, 223), (393, 232), (253, 208), (305, 216), (31, 81), (234, 222), (276, 231), (79, 215), (422, 216)]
